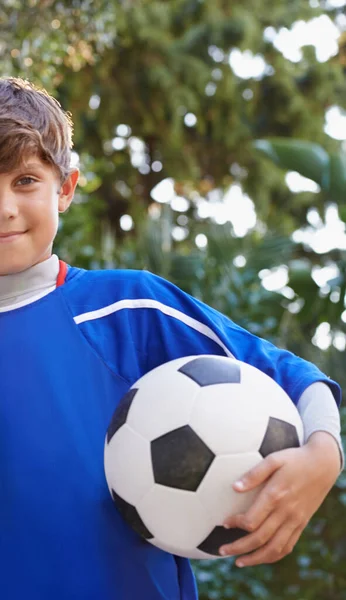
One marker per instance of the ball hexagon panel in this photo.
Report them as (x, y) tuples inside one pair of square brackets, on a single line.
[(169, 397), (236, 419), (226, 423), (216, 492), (121, 412), (127, 463), (130, 514), (272, 398), (180, 459), (211, 370), (163, 371), (220, 536), (175, 515), (279, 436)]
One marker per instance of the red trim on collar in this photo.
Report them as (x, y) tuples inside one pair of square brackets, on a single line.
[(62, 273)]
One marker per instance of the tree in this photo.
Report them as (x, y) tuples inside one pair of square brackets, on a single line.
[(328, 170), (151, 65)]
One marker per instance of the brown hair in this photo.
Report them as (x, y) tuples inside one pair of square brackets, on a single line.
[(33, 122)]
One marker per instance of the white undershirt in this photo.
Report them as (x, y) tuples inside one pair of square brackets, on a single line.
[(316, 405), (23, 288)]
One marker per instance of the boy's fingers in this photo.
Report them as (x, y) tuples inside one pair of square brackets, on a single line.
[(281, 544), (254, 540), (259, 474), (253, 518), (267, 501), (293, 540)]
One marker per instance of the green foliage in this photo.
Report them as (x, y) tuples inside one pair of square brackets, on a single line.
[(298, 155), (310, 160)]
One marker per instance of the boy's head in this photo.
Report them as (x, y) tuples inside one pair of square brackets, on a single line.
[(33, 123), (36, 180)]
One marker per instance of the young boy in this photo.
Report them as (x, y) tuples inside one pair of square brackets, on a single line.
[(71, 344)]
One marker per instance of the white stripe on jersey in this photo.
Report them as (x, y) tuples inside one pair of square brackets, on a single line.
[(148, 303)]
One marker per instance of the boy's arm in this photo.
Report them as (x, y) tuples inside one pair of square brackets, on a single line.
[(319, 412), (159, 323)]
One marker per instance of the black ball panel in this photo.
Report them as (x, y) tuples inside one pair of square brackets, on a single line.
[(220, 536), (180, 459), (130, 514), (120, 413), (279, 436), (210, 370)]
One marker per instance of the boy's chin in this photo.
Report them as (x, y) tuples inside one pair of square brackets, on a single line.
[(13, 265), (11, 268)]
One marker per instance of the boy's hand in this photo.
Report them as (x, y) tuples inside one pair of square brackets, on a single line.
[(297, 481)]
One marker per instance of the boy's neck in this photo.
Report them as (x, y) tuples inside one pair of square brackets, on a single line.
[(18, 287)]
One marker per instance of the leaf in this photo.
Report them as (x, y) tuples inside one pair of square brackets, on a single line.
[(338, 177), (307, 158)]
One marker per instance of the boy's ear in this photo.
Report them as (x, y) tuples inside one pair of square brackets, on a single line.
[(67, 190)]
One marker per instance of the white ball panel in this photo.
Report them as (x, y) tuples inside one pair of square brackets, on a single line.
[(225, 422), (162, 404), (128, 467), (175, 516), (216, 492), (235, 418), (272, 398), (167, 368)]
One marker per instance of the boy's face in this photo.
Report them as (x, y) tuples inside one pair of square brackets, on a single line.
[(31, 197)]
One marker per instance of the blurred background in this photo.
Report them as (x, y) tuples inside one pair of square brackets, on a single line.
[(211, 138)]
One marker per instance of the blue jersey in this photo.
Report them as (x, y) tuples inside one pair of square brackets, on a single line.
[(65, 362)]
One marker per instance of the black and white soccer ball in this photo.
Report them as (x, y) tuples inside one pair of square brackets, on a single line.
[(179, 439)]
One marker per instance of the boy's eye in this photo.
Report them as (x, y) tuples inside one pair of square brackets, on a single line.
[(26, 180)]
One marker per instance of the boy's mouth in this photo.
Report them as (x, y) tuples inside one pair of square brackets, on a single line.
[(10, 236)]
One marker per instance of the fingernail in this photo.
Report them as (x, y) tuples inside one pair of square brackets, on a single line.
[(240, 564), (222, 552), (226, 526), (239, 485)]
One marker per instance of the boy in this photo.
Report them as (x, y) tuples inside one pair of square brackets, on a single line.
[(72, 342)]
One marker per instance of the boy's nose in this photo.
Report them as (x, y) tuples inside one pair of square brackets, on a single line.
[(8, 206)]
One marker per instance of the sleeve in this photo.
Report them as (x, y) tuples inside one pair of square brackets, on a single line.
[(319, 412), (171, 324)]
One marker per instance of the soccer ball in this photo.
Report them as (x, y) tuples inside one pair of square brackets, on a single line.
[(179, 439)]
